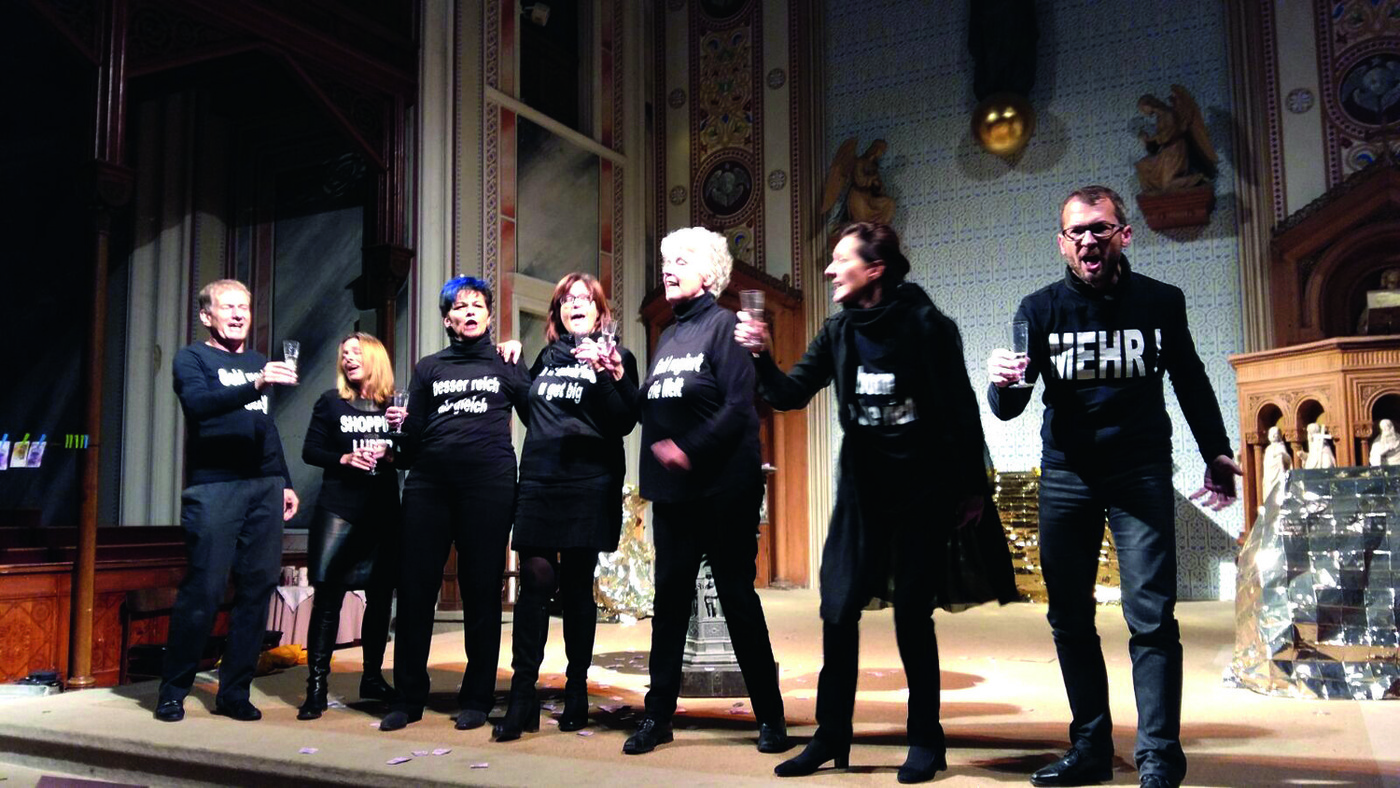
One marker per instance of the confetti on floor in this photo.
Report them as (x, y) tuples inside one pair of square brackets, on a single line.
[(585, 733), (481, 766), (420, 753), (398, 760), (307, 750), (442, 751)]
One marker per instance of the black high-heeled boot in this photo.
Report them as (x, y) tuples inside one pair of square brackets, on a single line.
[(522, 714), (320, 638), (813, 757), (374, 638), (575, 716), (922, 764)]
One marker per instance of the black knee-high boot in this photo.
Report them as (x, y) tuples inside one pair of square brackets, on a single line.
[(320, 642), (374, 639), (580, 626), (528, 632)]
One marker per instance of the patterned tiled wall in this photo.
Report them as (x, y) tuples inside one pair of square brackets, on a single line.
[(980, 231)]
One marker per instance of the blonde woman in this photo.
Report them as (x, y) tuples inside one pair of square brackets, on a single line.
[(354, 533)]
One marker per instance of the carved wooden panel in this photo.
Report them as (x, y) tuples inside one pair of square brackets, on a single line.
[(26, 636)]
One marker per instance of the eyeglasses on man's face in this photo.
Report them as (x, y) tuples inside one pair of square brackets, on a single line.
[(571, 299), (1101, 231)]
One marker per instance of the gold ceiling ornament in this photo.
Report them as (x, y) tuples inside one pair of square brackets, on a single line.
[(1003, 123)]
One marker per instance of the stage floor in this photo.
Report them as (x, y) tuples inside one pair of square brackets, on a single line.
[(1003, 709)]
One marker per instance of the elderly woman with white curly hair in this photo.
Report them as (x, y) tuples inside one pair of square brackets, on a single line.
[(700, 469)]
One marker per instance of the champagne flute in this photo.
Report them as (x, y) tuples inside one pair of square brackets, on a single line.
[(751, 301), (291, 349), (373, 447), (607, 334), (1020, 347), (399, 399)]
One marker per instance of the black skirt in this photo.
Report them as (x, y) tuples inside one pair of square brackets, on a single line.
[(564, 515)]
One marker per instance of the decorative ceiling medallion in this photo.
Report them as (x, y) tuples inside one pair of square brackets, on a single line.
[(1369, 92), (1299, 100), (725, 190), (678, 195), (676, 98), (777, 179), (777, 78)]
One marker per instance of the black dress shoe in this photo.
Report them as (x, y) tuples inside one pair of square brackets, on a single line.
[(772, 737), (399, 719), (1075, 767), (922, 764), (1155, 781), (468, 719), (649, 734), (813, 757), (170, 710), (240, 710)]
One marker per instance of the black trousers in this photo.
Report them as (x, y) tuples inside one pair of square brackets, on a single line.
[(338, 547), (542, 574), (1140, 504), (916, 552), (475, 515), (722, 529), (231, 529)]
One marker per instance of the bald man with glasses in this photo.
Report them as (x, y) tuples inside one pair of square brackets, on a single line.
[(1102, 339)]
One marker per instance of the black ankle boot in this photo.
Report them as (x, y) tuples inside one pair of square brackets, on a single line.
[(374, 687), (922, 764), (522, 714), (320, 640), (575, 716), (814, 757)]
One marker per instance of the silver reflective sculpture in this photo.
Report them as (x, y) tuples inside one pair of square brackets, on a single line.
[(1316, 602)]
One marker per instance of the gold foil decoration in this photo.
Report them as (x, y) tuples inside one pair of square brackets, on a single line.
[(1017, 501), (624, 585)]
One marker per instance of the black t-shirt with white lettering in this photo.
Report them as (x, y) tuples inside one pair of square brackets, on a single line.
[(229, 434), (885, 410), (337, 428), (577, 418), (459, 406), (1102, 355), (700, 394)]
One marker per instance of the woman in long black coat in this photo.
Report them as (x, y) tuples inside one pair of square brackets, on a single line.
[(911, 469)]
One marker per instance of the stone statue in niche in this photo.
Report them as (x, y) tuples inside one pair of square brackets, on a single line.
[(1386, 448), (1320, 453), (1380, 315), (859, 178), (1277, 463), (1179, 152)]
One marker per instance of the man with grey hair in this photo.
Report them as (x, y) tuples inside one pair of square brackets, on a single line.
[(238, 496)]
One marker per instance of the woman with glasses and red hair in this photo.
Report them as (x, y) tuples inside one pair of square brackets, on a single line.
[(569, 507)]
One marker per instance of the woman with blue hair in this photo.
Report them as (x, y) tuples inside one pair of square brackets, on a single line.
[(460, 490)]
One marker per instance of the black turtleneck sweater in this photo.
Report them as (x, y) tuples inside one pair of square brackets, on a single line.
[(700, 394), (336, 427), (459, 405), (577, 418), (1102, 355)]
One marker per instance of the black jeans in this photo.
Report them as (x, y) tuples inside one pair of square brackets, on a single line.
[(230, 528), (475, 515), (724, 530), (1140, 506)]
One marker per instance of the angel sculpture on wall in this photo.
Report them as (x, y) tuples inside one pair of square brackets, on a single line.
[(1179, 152), (866, 200)]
